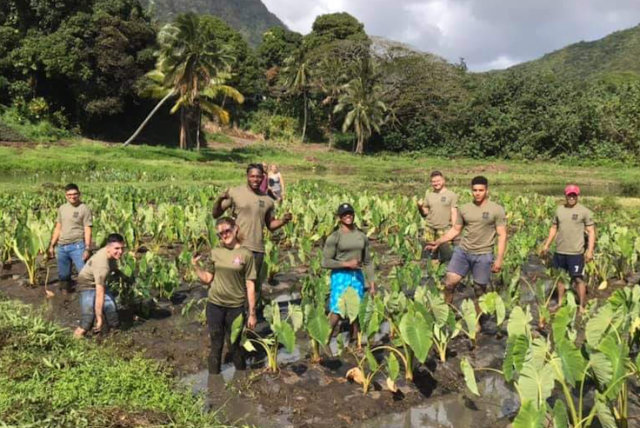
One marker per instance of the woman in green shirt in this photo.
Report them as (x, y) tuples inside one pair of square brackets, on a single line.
[(232, 285), (346, 253)]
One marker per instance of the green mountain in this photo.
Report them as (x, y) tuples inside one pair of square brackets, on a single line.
[(616, 54), (250, 17)]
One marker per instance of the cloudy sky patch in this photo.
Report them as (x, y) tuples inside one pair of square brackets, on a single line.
[(488, 34)]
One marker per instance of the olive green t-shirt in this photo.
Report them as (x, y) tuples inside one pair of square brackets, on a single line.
[(572, 223), (73, 221), (440, 205), (97, 270), (344, 246), (480, 222), (232, 269), (250, 211)]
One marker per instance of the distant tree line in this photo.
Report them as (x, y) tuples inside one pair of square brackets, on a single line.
[(82, 63)]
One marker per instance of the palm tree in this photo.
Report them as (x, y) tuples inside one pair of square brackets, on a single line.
[(192, 66), (366, 113), (298, 77)]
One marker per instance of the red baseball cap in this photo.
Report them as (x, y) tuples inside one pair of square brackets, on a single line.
[(571, 188)]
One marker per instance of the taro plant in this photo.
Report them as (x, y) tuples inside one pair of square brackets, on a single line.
[(29, 243), (283, 331), (488, 304), (444, 326), (317, 326)]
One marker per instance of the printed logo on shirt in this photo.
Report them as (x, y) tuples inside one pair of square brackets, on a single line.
[(574, 217), (485, 215), (76, 214), (237, 261), (261, 203), (443, 199)]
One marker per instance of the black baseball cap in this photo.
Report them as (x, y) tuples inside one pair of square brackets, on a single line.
[(345, 208)]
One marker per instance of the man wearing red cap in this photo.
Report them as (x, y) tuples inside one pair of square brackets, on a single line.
[(569, 225)]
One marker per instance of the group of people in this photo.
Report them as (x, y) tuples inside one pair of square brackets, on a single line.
[(461, 236)]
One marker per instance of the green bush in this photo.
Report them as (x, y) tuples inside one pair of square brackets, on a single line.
[(273, 126), (40, 129)]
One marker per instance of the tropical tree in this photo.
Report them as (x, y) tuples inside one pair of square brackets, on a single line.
[(192, 66), (362, 100), (298, 77)]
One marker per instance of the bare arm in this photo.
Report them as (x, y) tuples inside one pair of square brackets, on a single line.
[(423, 209), (274, 223), (203, 275), (553, 231), (87, 243), (502, 246), (449, 236), (220, 206), (251, 299), (454, 215), (591, 244), (54, 238)]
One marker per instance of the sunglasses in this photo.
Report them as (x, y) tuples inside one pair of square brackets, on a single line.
[(225, 232)]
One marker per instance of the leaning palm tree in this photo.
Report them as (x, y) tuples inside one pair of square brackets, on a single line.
[(298, 76), (365, 112), (192, 66)]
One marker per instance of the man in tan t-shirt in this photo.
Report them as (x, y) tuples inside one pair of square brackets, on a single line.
[(96, 303), (570, 223), (72, 235), (440, 208), (483, 221), (253, 211)]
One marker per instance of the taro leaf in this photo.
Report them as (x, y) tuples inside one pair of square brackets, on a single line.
[(371, 360), (285, 334), (469, 376), (602, 369), (391, 385), (356, 375), (318, 326), (517, 347), (573, 363), (560, 418), (492, 303), (603, 412), (535, 383), (272, 314), (296, 316), (598, 325), (416, 332), (529, 416), (470, 317), (248, 346), (538, 352), (393, 367), (519, 322), (349, 304), (439, 308), (618, 355), (561, 321), (236, 327)]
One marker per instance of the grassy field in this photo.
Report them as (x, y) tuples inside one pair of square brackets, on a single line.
[(27, 167)]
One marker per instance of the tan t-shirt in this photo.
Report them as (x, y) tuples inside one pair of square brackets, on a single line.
[(97, 270), (440, 205), (480, 224), (572, 223), (232, 269), (250, 211), (73, 221)]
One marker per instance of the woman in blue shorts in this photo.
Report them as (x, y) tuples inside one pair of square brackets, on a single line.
[(346, 253)]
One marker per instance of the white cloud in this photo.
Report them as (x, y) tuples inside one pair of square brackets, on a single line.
[(487, 33)]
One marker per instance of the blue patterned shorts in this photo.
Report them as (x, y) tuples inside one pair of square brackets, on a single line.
[(341, 279)]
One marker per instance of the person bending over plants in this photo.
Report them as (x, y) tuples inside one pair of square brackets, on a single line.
[(482, 221), (231, 288), (570, 223), (96, 302), (346, 253)]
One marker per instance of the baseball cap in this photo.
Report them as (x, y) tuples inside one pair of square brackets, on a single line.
[(571, 188), (345, 208)]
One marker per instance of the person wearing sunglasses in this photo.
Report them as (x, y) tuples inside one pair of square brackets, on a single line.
[(231, 288), (253, 211), (97, 304), (72, 236), (346, 253)]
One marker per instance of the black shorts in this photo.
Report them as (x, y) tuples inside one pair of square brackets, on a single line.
[(572, 263)]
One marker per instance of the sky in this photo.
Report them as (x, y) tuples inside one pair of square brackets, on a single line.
[(488, 34)]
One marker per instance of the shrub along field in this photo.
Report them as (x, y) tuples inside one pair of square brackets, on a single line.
[(566, 366)]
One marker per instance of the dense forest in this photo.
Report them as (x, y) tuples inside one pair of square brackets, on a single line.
[(83, 66)]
